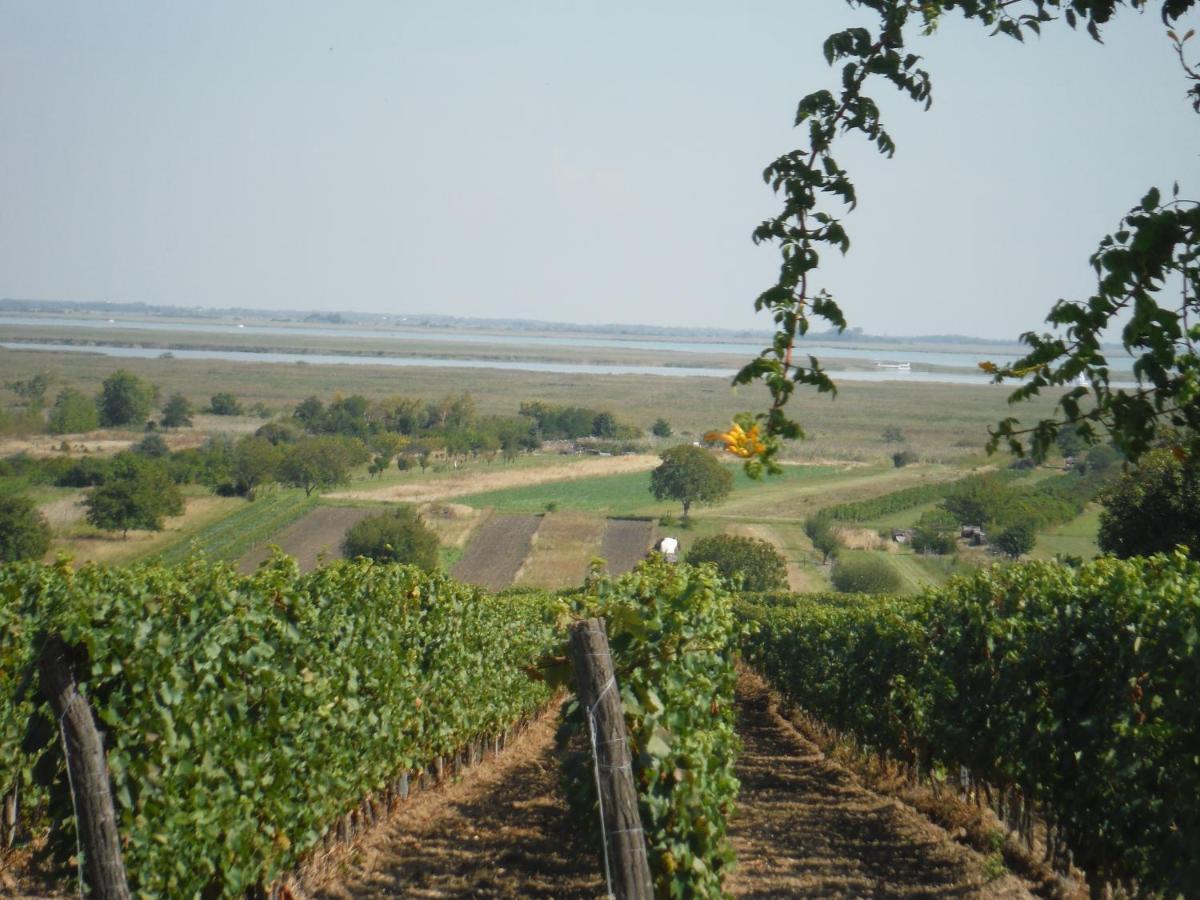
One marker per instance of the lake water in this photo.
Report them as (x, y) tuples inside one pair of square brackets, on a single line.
[(322, 359), (744, 349)]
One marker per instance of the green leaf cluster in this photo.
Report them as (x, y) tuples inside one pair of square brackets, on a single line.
[(673, 632), (1076, 687), (244, 714)]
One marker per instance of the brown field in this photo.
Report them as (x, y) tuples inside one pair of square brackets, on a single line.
[(561, 549), (476, 481), (95, 443), (497, 551), (315, 537), (626, 542)]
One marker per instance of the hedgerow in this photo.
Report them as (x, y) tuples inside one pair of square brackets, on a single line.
[(673, 633)]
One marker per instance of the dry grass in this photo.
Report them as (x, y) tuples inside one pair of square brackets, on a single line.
[(86, 544), (453, 523), (476, 481), (563, 546)]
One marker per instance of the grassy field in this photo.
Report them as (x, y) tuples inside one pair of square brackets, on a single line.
[(84, 543), (940, 422), (1074, 538)]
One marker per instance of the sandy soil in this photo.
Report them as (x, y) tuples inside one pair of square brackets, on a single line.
[(806, 827), (497, 551), (473, 482), (500, 831)]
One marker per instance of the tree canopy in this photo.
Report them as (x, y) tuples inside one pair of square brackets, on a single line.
[(137, 493), (753, 564), (397, 536), (1140, 267), (1153, 508), (690, 475), (124, 400)]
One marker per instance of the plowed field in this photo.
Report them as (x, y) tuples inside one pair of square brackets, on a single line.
[(497, 551)]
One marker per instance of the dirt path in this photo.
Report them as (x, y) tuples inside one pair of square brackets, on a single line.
[(501, 831), (474, 482), (805, 827)]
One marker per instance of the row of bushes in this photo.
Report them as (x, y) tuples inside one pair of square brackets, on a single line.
[(673, 632), (1075, 687), (244, 715)]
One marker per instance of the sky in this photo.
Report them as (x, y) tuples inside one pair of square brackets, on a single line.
[(556, 159)]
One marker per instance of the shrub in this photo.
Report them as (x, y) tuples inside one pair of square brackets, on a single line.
[(224, 404), (395, 536), (73, 412), (1015, 540), (661, 428), (903, 458), (24, 532), (865, 575), (750, 564)]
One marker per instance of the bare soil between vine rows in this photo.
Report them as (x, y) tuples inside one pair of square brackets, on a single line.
[(805, 827)]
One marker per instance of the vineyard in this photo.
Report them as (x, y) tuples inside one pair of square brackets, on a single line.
[(246, 716), (1067, 695)]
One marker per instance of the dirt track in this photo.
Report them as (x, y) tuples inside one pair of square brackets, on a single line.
[(806, 827), (474, 482), (502, 831)]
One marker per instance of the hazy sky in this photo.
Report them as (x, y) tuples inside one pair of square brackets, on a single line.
[(574, 161)]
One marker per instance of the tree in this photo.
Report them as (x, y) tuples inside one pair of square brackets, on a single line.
[(125, 400), (152, 446), (32, 390), (690, 475), (935, 532), (24, 532), (661, 428), (1153, 508), (138, 493), (1015, 540), (73, 412), (224, 404), (1141, 266), (177, 413), (396, 536), (255, 463), (320, 462), (749, 563), (823, 535), (604, 426)]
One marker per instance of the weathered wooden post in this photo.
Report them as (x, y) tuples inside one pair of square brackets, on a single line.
[(626, 867), (95, 818)]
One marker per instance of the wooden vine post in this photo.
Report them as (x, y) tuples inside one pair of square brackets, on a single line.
[(95, 817), (626, 865)]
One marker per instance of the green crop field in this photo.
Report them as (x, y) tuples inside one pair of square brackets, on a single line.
[(629, 494), (232, 536)]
